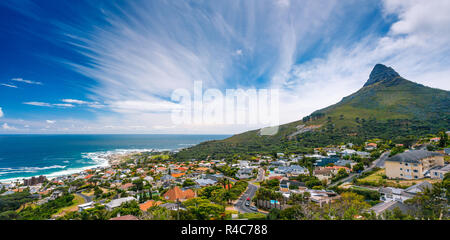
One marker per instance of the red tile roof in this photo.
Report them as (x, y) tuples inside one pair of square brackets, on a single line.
[(176, 193), (145, 206)]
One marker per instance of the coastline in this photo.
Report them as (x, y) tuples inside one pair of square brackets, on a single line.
[(102, 159)]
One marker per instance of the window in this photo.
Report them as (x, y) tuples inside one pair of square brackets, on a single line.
[(415, 170), (401, 169), (401, 174), (415, 177)]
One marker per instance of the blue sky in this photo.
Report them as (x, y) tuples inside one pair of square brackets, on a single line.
[(111, 66)]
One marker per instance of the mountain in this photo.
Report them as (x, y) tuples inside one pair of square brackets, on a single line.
[(387, 106)]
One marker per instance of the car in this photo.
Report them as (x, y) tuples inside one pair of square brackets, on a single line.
[(253, 208), (247, 203), (248, 199)]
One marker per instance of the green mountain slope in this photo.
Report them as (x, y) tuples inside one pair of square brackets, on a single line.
[(387, 106)]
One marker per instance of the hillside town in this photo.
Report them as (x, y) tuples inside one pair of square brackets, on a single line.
[(380, 179)]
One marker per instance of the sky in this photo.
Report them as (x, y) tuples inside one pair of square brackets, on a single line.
[(91, 66)]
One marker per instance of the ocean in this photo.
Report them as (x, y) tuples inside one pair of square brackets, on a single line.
[(23, 156)]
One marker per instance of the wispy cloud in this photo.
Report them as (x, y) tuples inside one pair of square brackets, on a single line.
[(315, 52), (5, 126), (74, 101), (8, 85), (1, 113), (26, 81), (63, 105), (40, 104), (50, 121)]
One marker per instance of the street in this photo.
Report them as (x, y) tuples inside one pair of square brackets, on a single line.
[(249, 193), (377, 163)]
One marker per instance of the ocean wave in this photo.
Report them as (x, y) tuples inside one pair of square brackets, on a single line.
[(92, 159)]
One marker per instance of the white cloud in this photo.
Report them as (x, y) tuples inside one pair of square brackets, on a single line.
[(26, 81), (63, 105), (40, 104), (5, 126), (417, 46), (1, 112), (50, 121), (74, 101), (8, 85)]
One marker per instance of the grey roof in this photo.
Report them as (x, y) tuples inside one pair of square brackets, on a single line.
[(117, 202), (389, 206), (419, 187), (205, 182), (413, 156)]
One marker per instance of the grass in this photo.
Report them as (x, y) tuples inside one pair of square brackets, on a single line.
[(162, 156), (376, 179), (252, 216), (447, 159), (89, 194), (77, 200)]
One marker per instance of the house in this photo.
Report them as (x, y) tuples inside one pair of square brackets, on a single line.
[(126, 186), (363, 154), (371, 146), (400, 195), (178, 175), (293, 170), (85, 206), (323, 196), (244, 173), (348, 152), (291, 184), (151, 203), (167, 178), (382, 207), (172, 206), (323, 173), (436, 139), (205, 182), (117, 202), (439, 172), (447, 151), (325, 161), (176, 194), (344, 163), (413, 164)]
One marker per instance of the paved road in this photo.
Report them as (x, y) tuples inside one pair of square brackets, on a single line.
[(86, 198), (249, 194), (377, 163)]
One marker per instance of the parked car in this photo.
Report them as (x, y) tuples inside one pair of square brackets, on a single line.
[(247, 203), (253, 208)]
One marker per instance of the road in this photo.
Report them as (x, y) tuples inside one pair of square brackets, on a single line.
[(249, 194), (377, 163), (86, 198)]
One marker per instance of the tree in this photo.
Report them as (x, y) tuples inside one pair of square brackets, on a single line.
[(348, 206), (358, 167), (203, 209), (431, 203), (443, 139), (188, 182)]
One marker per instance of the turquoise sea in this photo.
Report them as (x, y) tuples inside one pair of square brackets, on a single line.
[(54, 155)]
